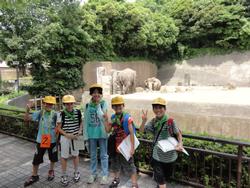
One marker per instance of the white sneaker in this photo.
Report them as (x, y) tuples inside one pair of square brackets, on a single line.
[(104, 180), (92, 179), (64, 181), (76, 176)]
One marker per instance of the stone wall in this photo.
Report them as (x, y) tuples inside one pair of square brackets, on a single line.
[(144, 70), (208, 70), (213, 119)]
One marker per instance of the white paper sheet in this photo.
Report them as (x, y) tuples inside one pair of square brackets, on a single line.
[(125, 146), (169, 145), (79, 143)]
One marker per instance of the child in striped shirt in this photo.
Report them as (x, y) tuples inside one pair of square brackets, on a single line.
[(162, 127)]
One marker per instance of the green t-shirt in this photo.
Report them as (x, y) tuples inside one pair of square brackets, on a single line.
[(94, 127), (158, 154)]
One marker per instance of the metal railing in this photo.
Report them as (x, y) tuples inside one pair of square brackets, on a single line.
[(206, 167), (203, 168)]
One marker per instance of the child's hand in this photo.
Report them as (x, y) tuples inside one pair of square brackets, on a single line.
[(132, 152), (71, 136), (144, 115), (105, 116), (28, 106), (179, 147)]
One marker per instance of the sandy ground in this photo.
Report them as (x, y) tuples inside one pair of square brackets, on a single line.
[(210, 95)]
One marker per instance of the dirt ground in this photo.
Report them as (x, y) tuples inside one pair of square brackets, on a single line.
[(195, 94)]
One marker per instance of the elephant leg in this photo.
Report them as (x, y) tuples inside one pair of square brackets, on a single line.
[(122, 89), (127, 89)]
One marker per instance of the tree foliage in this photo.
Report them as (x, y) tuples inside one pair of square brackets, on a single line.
[(57, 36)]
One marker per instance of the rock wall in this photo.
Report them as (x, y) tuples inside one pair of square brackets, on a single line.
[(144, 70), (208, 70), (213, 119)]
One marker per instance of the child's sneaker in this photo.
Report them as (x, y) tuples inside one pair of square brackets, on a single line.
[(76, 176), (104, 180), (135, 186), (51, 175), (115, 183), (31, 180), (64, 181), (91, 179)]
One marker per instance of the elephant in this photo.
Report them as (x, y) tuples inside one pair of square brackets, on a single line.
[(123, 81), (153, 84)]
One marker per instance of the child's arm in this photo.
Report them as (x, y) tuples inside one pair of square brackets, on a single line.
[(27, 116), (179, 146), (144, 120), (106, 122), (132, 138), (80, 128)]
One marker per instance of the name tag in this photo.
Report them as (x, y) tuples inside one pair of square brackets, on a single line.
[(46, 141)]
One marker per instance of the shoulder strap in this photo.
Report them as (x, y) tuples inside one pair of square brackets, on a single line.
[(125, 124), (112, 116), (158, 134), (170, 123), (40, 115), (86, 106), (63, 118)]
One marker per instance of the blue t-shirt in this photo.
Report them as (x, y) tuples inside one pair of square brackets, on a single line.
[(47, 124), (94, 127)]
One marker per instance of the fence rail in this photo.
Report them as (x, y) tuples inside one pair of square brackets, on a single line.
[(203, 168)]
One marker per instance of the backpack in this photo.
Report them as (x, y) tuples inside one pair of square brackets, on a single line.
[(124, 122), (79, 116)]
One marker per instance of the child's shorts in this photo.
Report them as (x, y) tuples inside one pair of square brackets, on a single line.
[(67, 147), (118, 162), (162, 171), (39, 153)]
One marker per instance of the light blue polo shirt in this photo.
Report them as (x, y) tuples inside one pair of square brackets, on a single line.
[(47, 120)]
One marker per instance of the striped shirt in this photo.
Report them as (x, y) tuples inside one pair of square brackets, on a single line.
[(158, 154), (71, 124)]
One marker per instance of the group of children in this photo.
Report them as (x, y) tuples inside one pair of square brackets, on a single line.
[(67, 125)]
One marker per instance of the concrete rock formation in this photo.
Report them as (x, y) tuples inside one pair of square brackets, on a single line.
[(139, 89)]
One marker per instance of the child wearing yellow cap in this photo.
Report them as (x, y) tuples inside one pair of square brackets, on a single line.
[(121, 126), (162, 127), (46, 138), (69, 124)]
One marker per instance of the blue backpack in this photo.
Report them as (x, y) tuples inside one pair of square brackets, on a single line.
[(124, 122)]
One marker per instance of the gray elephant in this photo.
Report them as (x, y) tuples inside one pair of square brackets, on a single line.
[(153, 84), (124, 81)]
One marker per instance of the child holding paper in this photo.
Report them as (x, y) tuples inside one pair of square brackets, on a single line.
[(122, 126), (162, 127), (69, 124)]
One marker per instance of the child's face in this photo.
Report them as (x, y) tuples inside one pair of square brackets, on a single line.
[(48, 107), (96, 96), (118, 108), (159, 110), (69, 106)]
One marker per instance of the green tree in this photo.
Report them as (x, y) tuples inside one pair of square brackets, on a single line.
[(127, 29), (59, 48), (16, 22)]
